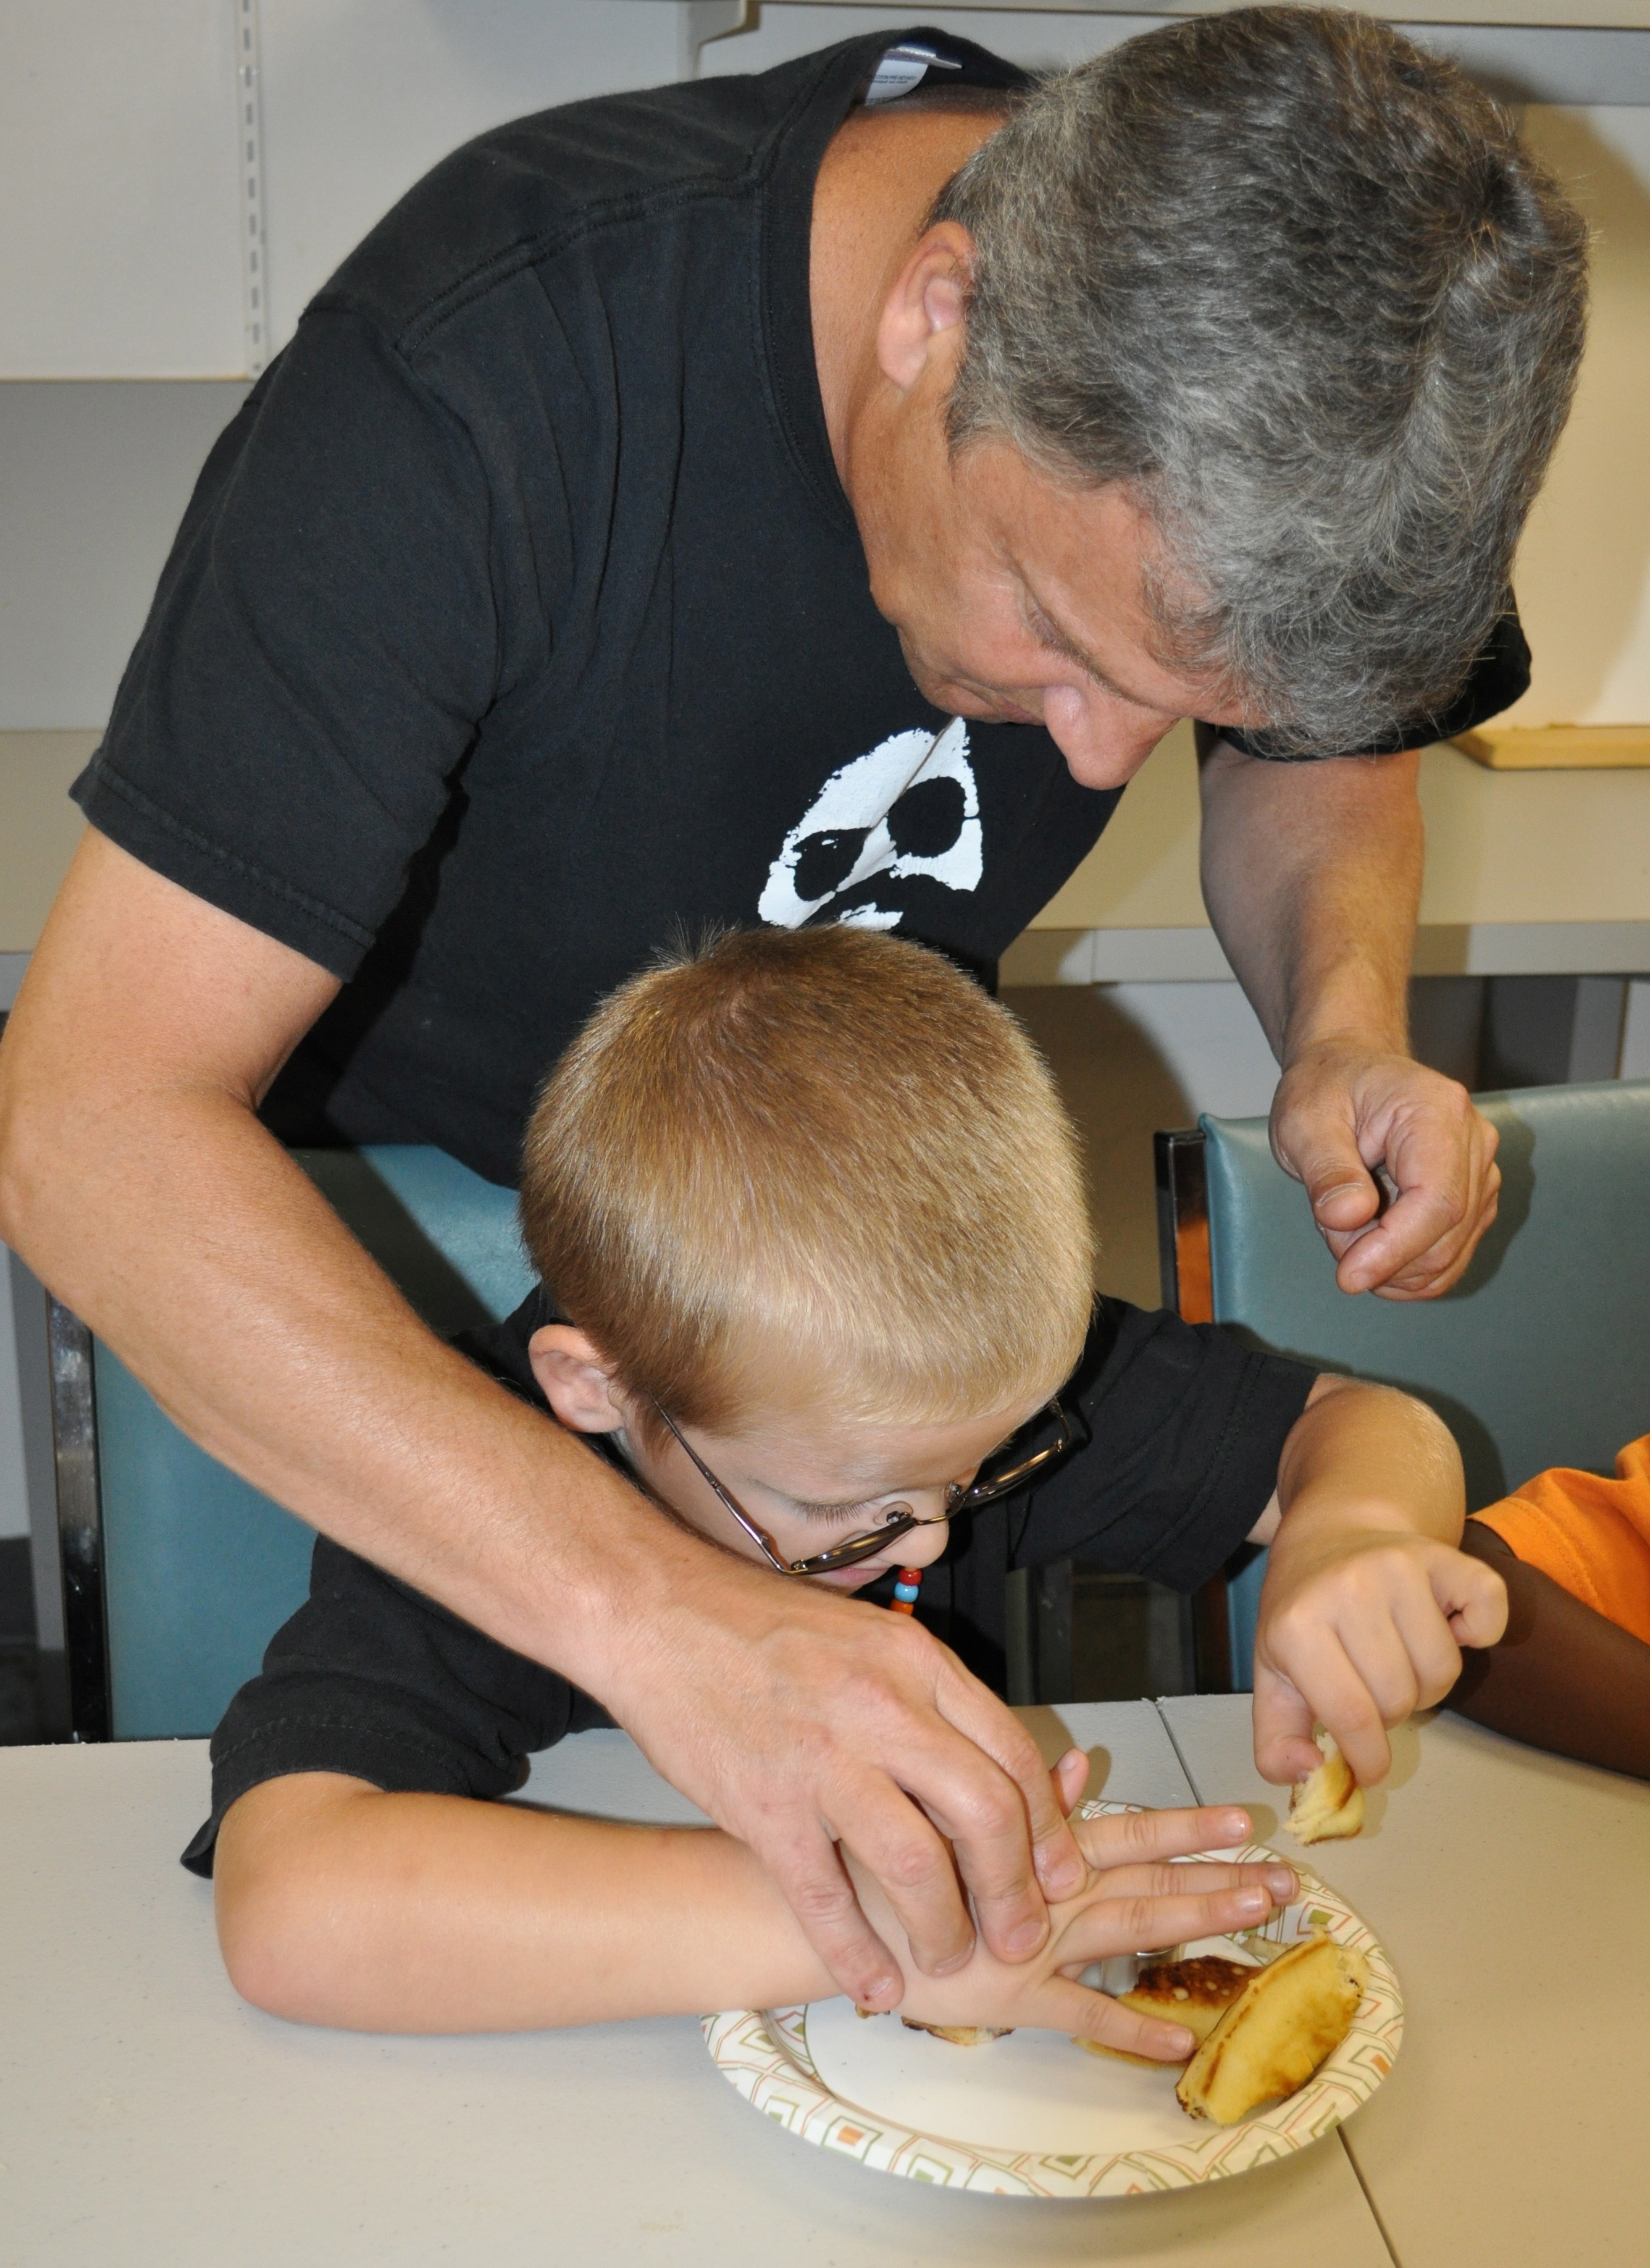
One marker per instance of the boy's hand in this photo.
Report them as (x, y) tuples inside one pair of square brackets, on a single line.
[(1136, 1900), (1358, 1628)]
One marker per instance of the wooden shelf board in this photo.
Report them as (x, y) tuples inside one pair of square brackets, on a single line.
[(1558, 747)]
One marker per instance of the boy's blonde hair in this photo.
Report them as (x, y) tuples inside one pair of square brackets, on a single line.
[(814, 1169)]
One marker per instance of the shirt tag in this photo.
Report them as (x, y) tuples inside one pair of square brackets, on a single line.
[(902, 68)]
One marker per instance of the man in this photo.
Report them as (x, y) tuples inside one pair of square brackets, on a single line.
[(746, 502)]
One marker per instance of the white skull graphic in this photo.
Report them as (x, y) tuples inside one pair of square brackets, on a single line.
[(908, 807)]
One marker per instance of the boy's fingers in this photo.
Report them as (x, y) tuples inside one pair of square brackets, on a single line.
[(1069, 1779), (1153, 1920), (1473, 1599), (1064, 2005), (1202, 1879), (1138, 1838), (1285, 1751)]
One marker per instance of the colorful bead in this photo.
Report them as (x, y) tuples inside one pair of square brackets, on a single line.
[(906, 1590)]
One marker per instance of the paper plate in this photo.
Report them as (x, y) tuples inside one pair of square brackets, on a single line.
[(1030, 2115)]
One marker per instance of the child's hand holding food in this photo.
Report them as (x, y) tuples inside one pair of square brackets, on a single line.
[(1366, 1602)]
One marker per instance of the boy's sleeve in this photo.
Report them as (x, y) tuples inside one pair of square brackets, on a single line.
[(372, 1679), (1186, 1425)]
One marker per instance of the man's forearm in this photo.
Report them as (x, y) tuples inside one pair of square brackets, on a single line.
[(159, 1208), (1312, 876)]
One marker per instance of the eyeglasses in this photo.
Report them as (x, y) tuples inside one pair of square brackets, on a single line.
[(994, 1478)]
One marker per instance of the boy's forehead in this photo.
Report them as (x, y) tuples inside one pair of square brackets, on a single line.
[(825, 1458)]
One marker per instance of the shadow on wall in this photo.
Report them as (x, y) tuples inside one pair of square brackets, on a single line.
[(1583, 572), (1120, 1088)]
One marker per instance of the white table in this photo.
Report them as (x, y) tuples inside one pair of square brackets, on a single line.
[(147, 2117), (1513, 1891)]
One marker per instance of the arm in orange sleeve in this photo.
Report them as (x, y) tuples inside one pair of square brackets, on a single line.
[(1590, 1534), (1572, 1675)]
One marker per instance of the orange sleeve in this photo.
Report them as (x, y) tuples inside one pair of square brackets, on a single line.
[(1590, 1536)]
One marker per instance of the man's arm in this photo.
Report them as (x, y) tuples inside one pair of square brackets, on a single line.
[(137, 1182), (1312, 875)]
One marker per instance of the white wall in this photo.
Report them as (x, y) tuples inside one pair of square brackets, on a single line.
[(362, 96), (1209, 1040), (120, 245), (120, 224)]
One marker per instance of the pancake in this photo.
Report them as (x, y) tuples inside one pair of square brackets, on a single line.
[(1292, 2014), (961, 2035), (1328, 1803)]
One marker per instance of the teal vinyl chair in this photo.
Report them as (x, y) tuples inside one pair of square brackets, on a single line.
[(1540, 1356), (176, 1573)]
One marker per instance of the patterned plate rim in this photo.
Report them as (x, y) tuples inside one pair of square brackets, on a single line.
[(764, 2054)]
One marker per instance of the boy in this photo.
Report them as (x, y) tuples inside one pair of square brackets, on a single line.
[(814, 1220)]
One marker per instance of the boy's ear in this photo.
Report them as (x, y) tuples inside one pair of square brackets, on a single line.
[(574, 1380)]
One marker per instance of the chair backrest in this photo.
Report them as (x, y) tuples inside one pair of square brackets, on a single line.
[(177, 1573), (1537, 1357)]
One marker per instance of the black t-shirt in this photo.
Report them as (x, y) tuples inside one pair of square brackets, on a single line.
[(1183, 1429), (519, 621)]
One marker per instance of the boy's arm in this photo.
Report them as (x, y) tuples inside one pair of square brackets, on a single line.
[(1367, 1600), (338, 1903), (1562, 1677)]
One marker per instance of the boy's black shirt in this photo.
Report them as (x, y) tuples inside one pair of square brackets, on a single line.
[(1185, 1426), (519, 621)]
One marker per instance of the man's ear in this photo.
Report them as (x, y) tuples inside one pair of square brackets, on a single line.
[(922, 316), (574, 1380)]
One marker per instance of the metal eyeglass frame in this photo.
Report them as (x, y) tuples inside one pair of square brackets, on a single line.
[(901, 1519)]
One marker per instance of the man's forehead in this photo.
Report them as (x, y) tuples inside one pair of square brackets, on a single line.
[(1082, 554)]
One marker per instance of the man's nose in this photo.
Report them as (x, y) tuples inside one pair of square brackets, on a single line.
[(1104, 745)]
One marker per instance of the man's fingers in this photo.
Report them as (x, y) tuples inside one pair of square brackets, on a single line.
[(987, 1820), (1338, 1113), (1420, 1221), (1438, 1149), (814, 1883), (1322, 1153)]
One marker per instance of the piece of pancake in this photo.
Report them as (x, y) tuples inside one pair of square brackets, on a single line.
[(1195, 1993), (1330, 1803), (1278, 2031), (961, 2035)]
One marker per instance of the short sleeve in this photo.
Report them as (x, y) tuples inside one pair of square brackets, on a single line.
[(1499, 676), (1185, 1427), (372, 1679), (321, 646)]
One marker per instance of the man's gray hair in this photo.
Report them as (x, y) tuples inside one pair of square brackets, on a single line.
[(1302, 289)]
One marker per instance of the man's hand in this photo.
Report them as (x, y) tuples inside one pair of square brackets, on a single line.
[(1312, 874), (816, 1728), (1135, 1896), (1339, 1113)]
